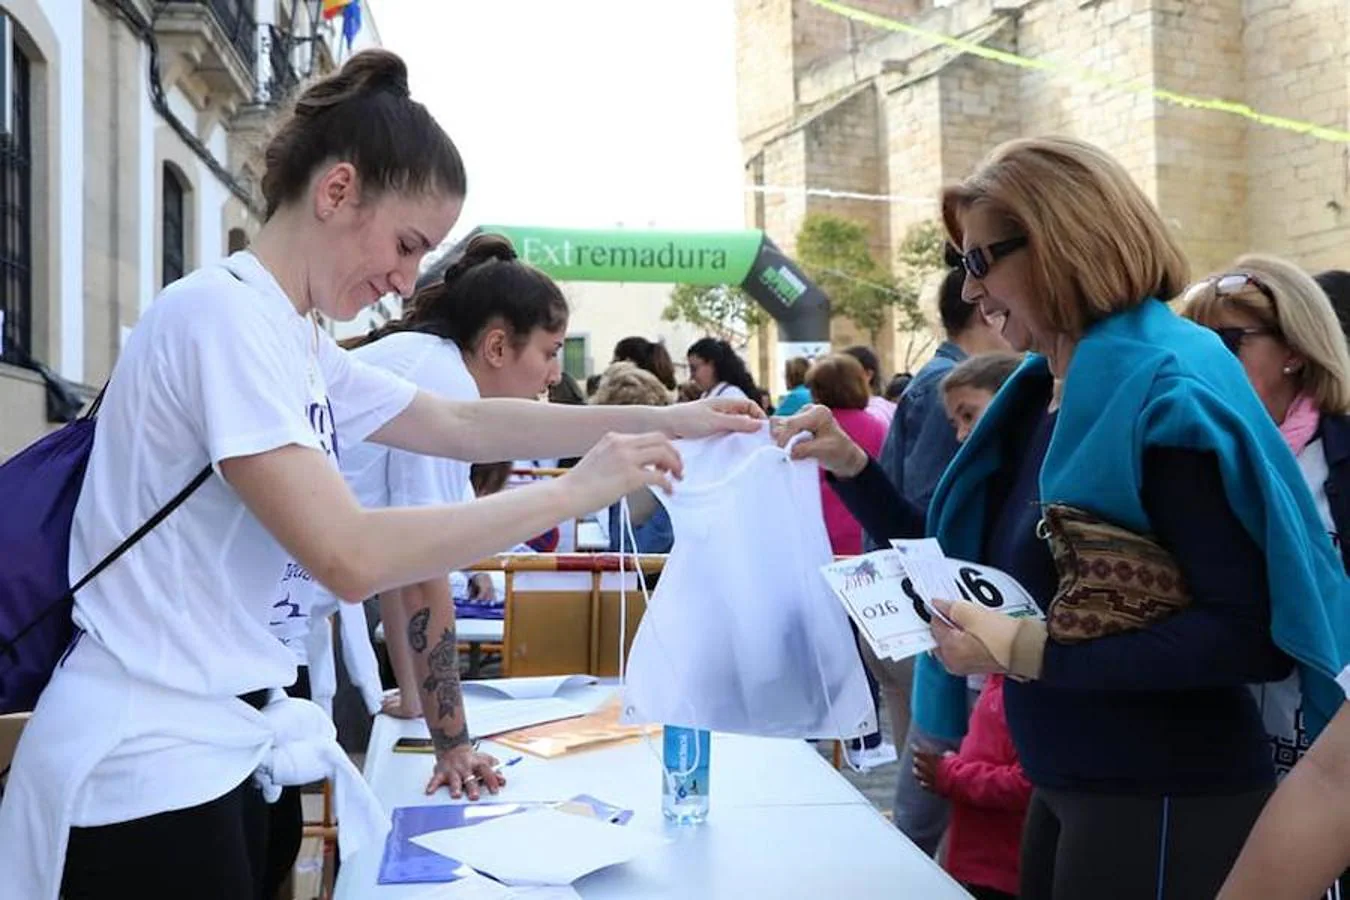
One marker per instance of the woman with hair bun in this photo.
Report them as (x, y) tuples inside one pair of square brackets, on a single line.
[(492, 327), (150, 758)]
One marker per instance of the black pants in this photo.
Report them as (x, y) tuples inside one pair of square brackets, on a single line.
[(1097, 847), (214, 851), (235, 847)]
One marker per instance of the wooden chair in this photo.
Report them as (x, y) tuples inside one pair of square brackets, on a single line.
[(562, 610), (11, 727)]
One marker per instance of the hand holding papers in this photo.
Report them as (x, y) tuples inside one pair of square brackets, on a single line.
[(889, 594)]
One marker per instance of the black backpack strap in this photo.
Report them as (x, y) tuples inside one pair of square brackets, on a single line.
[(92, 411), (146, 528), (150, 524)]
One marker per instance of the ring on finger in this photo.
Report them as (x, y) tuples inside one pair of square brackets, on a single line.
[(469, 779)]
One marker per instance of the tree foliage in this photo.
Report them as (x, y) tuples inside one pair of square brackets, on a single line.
[(834, 252), (723, 311), (921, 256)]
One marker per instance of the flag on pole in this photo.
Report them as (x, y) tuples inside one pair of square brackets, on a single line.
[(351, 22), (332, 7)]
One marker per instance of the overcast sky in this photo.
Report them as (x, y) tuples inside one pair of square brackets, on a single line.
[(583, 113)]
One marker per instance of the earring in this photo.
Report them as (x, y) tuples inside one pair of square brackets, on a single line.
[(1289, 370)]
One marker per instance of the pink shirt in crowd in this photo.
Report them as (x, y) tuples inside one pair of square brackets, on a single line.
[(868, 432), (882, 408)]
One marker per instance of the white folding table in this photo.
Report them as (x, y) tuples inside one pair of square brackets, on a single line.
[(783, 824)]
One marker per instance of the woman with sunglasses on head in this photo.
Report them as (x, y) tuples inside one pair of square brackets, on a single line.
[(1280, 325), (152, 754), (1166, 489)]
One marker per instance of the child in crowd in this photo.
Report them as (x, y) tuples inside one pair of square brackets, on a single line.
[(988, 791), (971, 386)]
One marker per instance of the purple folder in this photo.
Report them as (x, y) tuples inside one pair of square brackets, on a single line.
[(406, 863)]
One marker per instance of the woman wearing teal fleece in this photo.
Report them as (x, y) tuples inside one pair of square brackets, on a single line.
[(1145, 747)]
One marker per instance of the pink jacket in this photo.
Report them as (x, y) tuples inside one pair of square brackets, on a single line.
[(989, 795), (869, 433)]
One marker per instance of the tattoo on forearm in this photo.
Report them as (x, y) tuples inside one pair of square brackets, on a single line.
[(443, 680), (417, 629), (442, 740)]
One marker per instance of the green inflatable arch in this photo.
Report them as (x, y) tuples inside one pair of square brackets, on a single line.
[(747, 259)]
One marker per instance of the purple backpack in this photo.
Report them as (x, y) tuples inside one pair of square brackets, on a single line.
[(41, 486)]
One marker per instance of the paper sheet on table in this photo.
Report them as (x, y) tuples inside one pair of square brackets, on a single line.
[(475, 887), (601, 728), (511, 715), (541, 846), (532, 688)]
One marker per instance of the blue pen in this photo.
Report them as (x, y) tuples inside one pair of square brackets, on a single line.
[(510, 762)]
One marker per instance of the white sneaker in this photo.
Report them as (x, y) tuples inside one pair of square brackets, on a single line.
[(866, 760)]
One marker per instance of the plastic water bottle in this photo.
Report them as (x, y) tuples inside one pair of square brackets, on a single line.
[(684, 786)]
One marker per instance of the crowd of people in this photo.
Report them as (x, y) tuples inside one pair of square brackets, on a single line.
[(1161, 461), (1165, 482)]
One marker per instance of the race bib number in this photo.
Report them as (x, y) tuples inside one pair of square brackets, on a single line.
[(942, 578), (888, 594), (881, 601)]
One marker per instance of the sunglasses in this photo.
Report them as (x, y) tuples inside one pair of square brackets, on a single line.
[(1228, 286), (979, 260), (1233, 337)]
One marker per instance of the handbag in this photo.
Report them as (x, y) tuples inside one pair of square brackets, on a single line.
[(1110, 578)]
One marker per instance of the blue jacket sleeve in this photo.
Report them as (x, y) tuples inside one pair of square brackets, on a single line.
[(931, 444), (1223, 637), (877, 505)]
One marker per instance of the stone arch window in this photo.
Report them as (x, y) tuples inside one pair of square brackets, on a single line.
[(16, 216), (173, 225)]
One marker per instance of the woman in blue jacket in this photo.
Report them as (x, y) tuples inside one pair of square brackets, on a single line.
[(1144, 745)]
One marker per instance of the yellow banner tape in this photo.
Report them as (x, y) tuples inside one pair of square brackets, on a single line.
[(1320, 132)]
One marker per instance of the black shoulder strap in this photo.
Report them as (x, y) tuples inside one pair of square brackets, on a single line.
[(150, 524), (145, 529)]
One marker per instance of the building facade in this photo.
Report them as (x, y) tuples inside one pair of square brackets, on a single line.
[(826, 103), (131, 158)]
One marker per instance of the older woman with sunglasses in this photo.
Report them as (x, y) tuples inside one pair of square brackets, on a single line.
[(1165, 487), (1280, 325)]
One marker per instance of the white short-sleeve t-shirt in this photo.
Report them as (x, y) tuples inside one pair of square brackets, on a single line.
[(729, 391), (220, 366), (383, 476)]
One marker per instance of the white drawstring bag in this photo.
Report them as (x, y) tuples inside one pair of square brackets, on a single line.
[(743, 634)]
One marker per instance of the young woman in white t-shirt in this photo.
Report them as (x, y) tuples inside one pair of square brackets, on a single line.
[(492, 327), (136, 775), (720, 371)]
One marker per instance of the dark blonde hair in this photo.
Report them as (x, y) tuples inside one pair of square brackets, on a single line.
[(794, 371), (1302, 316), (361, 114), (839, 382), (1097, 245), (985, 372), (625, 384)]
